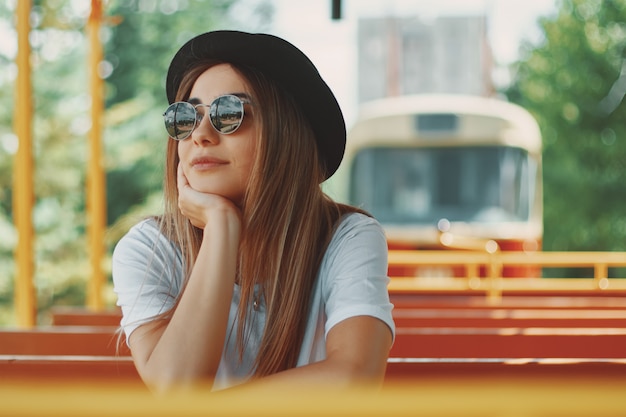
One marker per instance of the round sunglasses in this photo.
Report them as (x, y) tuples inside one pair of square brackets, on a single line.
[(225, 114)]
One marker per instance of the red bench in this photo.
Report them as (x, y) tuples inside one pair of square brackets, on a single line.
[(405, 299), (107, 368), (67, 367), (436, 334), (421, 316), (80, 316), (413, 342), (63, 340), (436, 368), (450, 342), (501, 317)]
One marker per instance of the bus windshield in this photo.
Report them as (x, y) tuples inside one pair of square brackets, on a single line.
[(486, 184)]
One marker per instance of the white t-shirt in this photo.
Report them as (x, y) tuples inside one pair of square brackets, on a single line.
[(352, 281)]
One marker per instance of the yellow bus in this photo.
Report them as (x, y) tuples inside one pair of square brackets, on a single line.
[(446, 171)]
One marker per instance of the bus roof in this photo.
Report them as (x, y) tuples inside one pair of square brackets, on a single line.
[(517, 126)]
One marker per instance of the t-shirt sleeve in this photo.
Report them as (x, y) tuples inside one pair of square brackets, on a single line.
[(354, 273), (146, 269)]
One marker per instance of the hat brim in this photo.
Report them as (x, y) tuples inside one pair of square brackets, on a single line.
[(283, 63)]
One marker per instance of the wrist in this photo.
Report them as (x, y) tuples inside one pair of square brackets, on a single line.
[(226, 217)]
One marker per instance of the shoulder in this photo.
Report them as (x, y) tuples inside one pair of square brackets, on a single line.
[(356, 220), (358, 229), (145, 255), (143, 238), (146, 229), (358, 242), (353, 275)]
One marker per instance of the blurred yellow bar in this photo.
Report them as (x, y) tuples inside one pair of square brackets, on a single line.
[(548, 259), (494, 283), (96, 186), (23, 194), (441, 397)]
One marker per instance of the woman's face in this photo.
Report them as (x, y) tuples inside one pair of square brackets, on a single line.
[(214, 162)]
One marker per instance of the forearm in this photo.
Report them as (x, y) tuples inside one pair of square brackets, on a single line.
[(188, 347), (357, 351), (332, 374)]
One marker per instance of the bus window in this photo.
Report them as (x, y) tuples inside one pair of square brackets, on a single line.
[(421, 185), (436, 123)]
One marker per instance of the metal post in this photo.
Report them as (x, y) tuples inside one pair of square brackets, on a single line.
[(23, 194), (96, 191)]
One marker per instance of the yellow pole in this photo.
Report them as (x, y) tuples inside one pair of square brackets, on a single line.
[(96, 191), (23, 194)]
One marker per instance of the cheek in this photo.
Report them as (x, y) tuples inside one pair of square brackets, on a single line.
[(250, 158), (183, 152), (245, 154), (251, 152)]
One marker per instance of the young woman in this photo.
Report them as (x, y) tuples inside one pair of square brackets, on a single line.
[(252, 274)]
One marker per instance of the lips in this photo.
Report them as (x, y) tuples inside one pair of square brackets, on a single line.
[(206, 162)]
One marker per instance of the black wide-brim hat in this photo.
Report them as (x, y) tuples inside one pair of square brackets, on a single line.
[(281, 62)]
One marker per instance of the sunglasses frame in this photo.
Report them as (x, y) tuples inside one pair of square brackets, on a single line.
[(199, 117)]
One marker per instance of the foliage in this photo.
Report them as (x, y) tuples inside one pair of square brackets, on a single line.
[(139, 38), (138, 51), (574, 82)]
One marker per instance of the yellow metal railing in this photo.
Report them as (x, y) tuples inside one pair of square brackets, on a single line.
[(23, 195), (529, 397), (23, 185), (96, 185), (494, 263)]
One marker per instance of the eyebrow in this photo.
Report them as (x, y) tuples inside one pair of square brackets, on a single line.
[(196, 100), (242, 95)]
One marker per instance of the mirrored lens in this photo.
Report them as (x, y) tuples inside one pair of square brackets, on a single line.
[(180, 120), (226, 113)]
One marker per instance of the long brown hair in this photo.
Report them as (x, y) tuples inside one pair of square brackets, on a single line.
[(287, 220)]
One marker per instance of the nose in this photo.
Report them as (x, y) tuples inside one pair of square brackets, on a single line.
[(204, 133)]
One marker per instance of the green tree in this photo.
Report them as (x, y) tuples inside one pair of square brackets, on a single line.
[(574, 82), (138, 42), (8, 144), (58, 125), (138, 51)]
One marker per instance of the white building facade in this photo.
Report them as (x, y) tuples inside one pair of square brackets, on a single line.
[(401, 56)]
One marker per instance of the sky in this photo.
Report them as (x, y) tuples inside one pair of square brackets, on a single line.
[(331, 45)]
